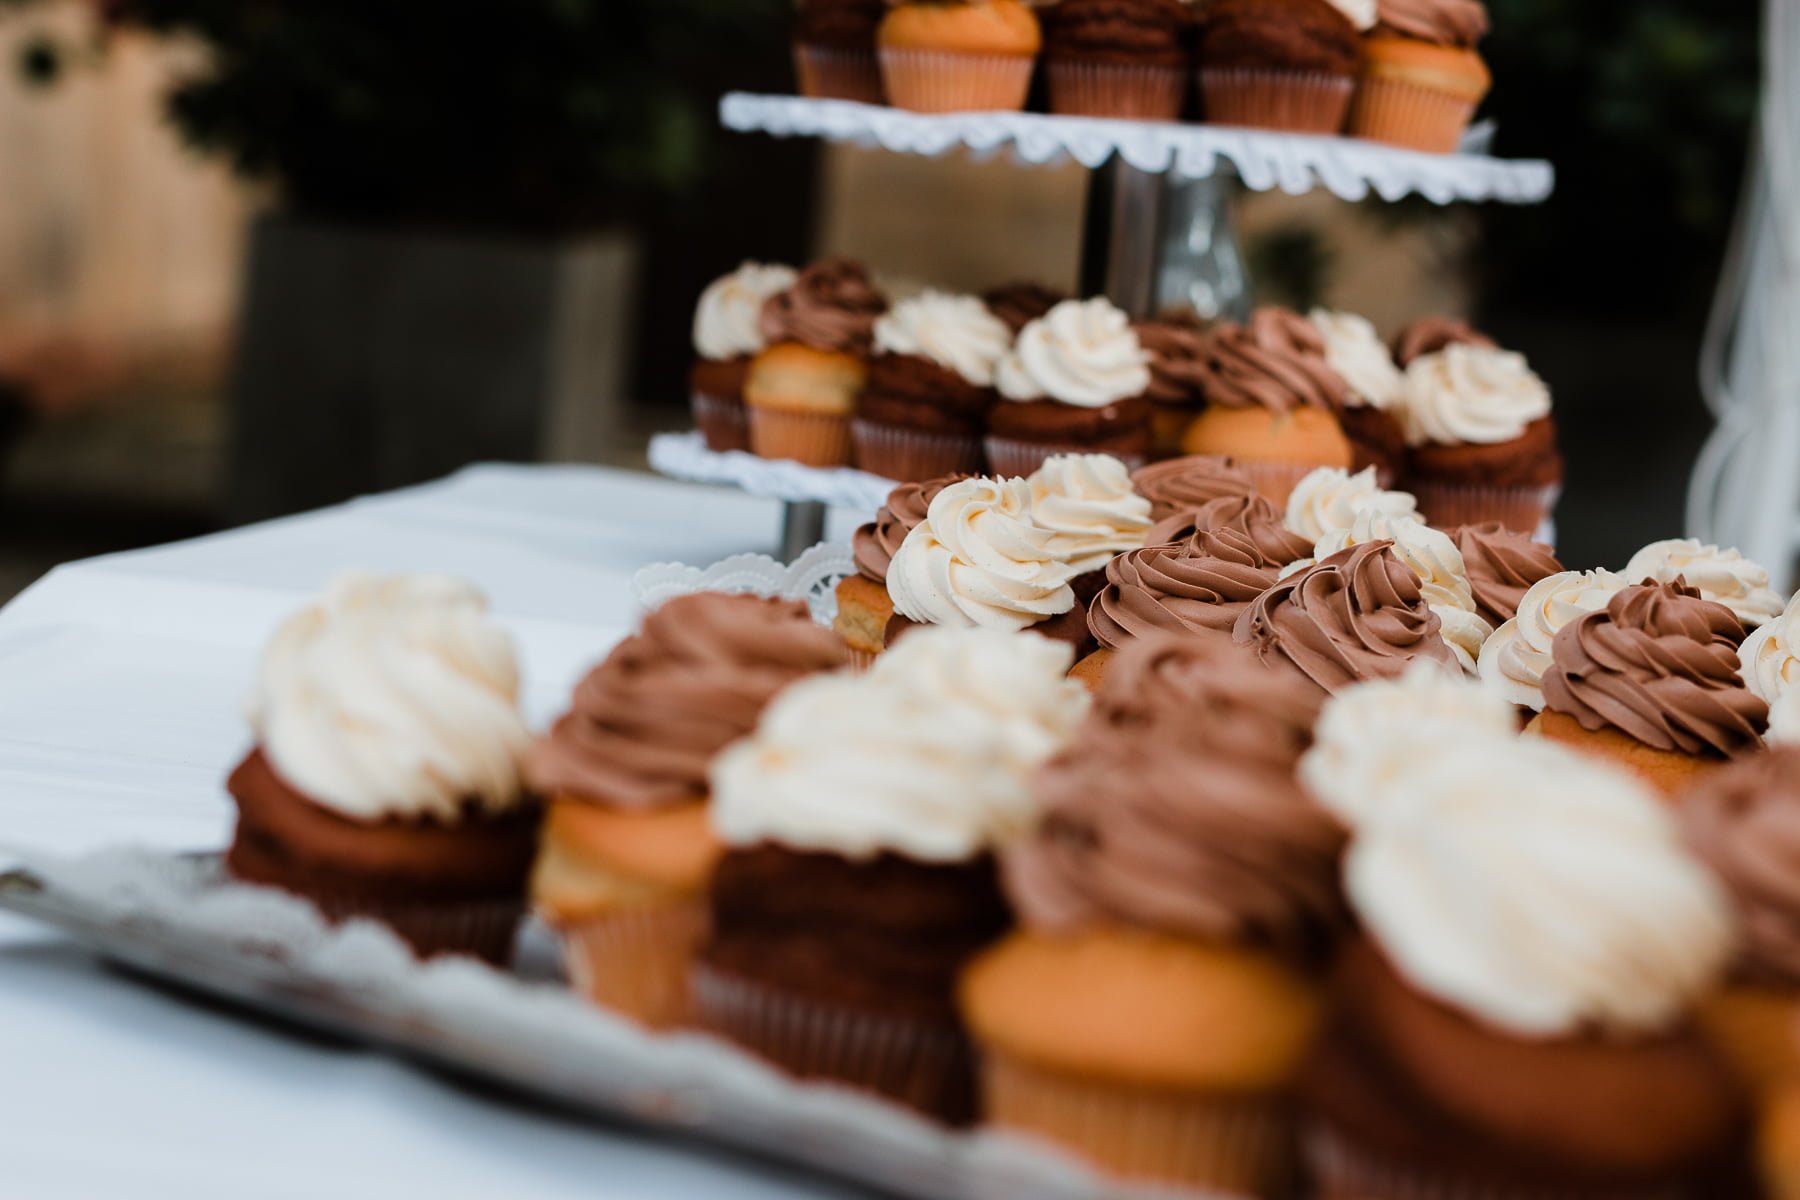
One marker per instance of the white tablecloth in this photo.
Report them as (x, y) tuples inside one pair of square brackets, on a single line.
[(121, 681)]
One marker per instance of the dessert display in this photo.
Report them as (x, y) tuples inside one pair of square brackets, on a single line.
[(1075, 381), (1279, 64), (925, 405), (1117, 58), (1422, 77), (834, 49), (728, 333), (958, 55)]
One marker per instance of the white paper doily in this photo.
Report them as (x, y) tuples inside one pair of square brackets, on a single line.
[(1350, 168), (812, 577), (685, 456)]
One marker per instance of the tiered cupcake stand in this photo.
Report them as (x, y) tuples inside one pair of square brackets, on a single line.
[(1158, 234)]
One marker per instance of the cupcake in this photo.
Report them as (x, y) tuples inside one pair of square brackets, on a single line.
[(1279, 64), (1197, 588), (864, 606), (1117, 58), (1723, 576), (1517, 1019), (1090, 508), (1651, 683), (1074, 382), (1177, 355), (1769, 659), (1501, 565), (1428, 335), (627, 846), (1251, 515), (931, 384), (1375, 389), (1271, 401), (1483, 443), (834, 49), (1421, 75), (1351, 617), (861, 820), (727, 335), (1175, 904), (1328, 499), (385, 781), (1514, 659), (802, 390), (1019, 304), (942, 56), (1177, 486)]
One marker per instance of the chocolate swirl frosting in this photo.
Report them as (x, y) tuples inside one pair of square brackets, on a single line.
[(1019, 304), (1196, 587), (1251, 514), (1459, 23), (1428, 335), (1744, 823), (1178, 486), (874, 544), (1178, 809), (831, 306), (1177, 351), (1355, 616), (645, 724), (1277, 361), (1660, 665), (1501, 565)]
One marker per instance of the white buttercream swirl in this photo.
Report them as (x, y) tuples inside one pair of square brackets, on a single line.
[(727, 319), (1356, 352), (1784, 719), (957, 333), (1723, 576), (1537, 889), (979, 559), (1769, 659), (1362, 13), (1327, 499), (393, 696), (930, 755), (1514, 659), (1470, 395), (1082, 353), (1087, 503)]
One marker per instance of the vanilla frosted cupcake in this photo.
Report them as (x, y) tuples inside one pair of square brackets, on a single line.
[(930, 386), (1329, 498), (1769, 659), (1723, 576), (1090, 507), (1076, 380), (1514, 659), (727, 335), (385, 779), (1376, 391)]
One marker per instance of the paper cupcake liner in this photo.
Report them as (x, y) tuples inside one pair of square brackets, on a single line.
[(914, 455), (635, 962), (811, 439), (923, 1065), (1007, 457), (826, 73), (1240, 1145), (1447, 505), (1296, 101), (861, 661), (1341, 1170), (1276, 480), (1139, 93), (1406, 114), (942, 81), (723, 423), (482, 929)]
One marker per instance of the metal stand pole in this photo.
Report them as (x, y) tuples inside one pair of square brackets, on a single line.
[(1152, 243), (802, 527)]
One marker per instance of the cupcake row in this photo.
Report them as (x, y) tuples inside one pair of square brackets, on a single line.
[(819, 367), (1406, 72)]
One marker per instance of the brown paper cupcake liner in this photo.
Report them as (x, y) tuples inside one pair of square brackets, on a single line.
[(941, 81), (811, 439), (1447, 505), (861, 661), (635, 962), (914, 455), (1139, 93), (1008, 457), (1295, 101), (1406, 114), (1276, 480), (1342, 1170), (827, 73), (482, 929), (723, 423)]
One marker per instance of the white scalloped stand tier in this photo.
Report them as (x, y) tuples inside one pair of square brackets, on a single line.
[(685, 456), (1350, 168), (812, 577)]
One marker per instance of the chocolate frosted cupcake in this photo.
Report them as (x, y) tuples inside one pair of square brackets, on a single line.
[(1428, 335), (1501, 565), (864, 606), (727, 334), (1075, 382), (627, 847), (1279, 64), (1197, 588), (852, 894), (1177, 350), (1651, 682), (1019, 304), (834, 49), (1271, 401), (1354, 616), (802, 389), (1251, 515), (1421, 75), (385, 778), (1117, 58), (1515, 658), (1176, 903), (1177, 486), (1374, 391), (931, 384)]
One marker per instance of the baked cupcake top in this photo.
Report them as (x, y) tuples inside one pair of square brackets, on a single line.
[(1501, 565), (1276, 361), (1471, 395), (1356, 615), (1177, 350), (1514, 659), (928, 756), (1081, 353), (1196, 587), (1147, 33), (1459, 23), (728, 319), (1769, 659), (1019, 304), (839, 24), (831, 306), (876, 543), (957, 333), (1723, 576), (1251, 515), (646, 723), (1357, 353), (978, 559), (1659, 664), (1329, 498), (1428, 335), (1744, 822), (1284, 35), (1177, 486), (1187, 820), (1088, 506), (393, 697)]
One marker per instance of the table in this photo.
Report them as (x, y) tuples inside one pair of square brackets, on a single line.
[(121, 686)]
